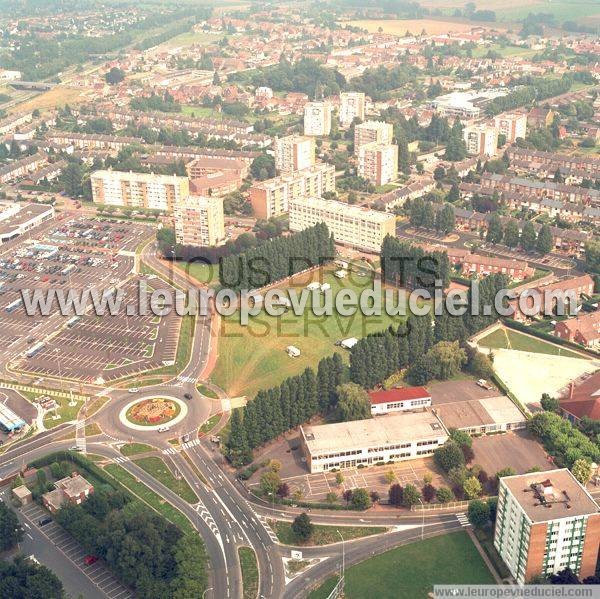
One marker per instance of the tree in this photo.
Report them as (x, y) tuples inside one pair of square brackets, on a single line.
[(24, 579), (545, 241), (11, 531), (472, 487), (395, 495), (494, 232), (390, 477), (263, 167), (449, 456), (283, 490), (453, 194), (361, 499), (410, 496), (446, 358), (339, 478), (550, 404), (528, 236), (507, 471), (444, 219), (511, 233), (478, 513), (353, 403), (114, 76), (566, 576), (331, 497), (302, 527), (73, 179), (462, 438), (582, 470), (428, 492), (270, 482), (444, 495)]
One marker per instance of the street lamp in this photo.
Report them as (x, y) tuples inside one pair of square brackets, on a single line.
[(206, 591), (422, 518), (343, 564)]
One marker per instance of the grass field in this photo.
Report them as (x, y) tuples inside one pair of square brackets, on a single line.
[(57, 97), (130, 449), (249, 567), (414, 26), (323, 535), (505, 51), (254, 356), (203, 273), (412, 570), (509, 339), (210, 423), (159, 470)]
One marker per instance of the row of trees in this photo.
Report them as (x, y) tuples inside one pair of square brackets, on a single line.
[(278, 258), (527, 238), (279, 409), (422, 214)]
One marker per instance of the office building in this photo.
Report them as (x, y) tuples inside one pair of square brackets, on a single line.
[(390, 438), (271, 198), (481, 140), (372, 132), (352, 106), (317, 118), (512, 125), (400, 399), (546, 522), (350, 225), (294, 153), (199, 221), (378, 163), (139, 190)]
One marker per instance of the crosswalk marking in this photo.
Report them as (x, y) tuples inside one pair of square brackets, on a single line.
[(186, 379), (80, 436), (189, 444), (169, 451), (268, 529), (186, 445), (120, 460), (462, 518)]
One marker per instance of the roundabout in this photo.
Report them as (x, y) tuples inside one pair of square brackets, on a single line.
[(151, 413)]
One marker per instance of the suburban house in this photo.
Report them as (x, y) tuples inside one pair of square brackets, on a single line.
[(582, 399), (72, 489), (583, 329)]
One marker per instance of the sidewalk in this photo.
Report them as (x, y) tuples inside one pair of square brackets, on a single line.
[(484, 556)]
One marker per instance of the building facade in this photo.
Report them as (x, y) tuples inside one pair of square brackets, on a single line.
[(294, 153), (372, 132), (512, 125), (350, 225), (317, 118), (481, 140), (378, 163), (401, 399), (352, 106), (546, 522), (139, 190), (199, 221)]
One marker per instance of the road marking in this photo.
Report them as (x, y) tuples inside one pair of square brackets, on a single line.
[(462, 518)]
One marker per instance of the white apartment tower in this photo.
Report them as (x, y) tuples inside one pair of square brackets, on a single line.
[(372, 132), (199, 221), (378, 162), (512, 125), (481, 140), (352, 106), (317, 118), (294, 153)]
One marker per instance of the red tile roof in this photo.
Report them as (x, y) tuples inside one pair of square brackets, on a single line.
[(584, 399), (399, 394)]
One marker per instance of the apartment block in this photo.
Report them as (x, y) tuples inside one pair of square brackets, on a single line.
[(272, 197), (350, 225), (294, 153), (481, 140), (352, 106), (512, 125), (378, 162), (546, 522), (139, 190), (372, 132), (317, 118), (199, 221)]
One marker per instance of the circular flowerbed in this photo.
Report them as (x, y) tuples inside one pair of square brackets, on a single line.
[(153, 412)]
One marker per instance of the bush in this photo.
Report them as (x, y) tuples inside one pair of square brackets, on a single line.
[(444, 495), (449, 456), (302, 527), (478, 513)]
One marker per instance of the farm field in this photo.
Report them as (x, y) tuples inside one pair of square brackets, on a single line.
[(253, 357), (413, 26), (412, 570), (57, 97)]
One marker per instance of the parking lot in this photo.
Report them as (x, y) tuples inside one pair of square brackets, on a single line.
[(97, 573)]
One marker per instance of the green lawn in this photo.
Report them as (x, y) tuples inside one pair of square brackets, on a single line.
[(412, 570), (210, 423), (130, 449), (323, 535), (254, 356), (207, 274), (207, 392), (505, 51), (150, 497), (249, 572), (159, 470), (509, 339)]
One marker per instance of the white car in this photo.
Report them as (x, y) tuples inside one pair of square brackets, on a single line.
[(133, 390), (163, 429)]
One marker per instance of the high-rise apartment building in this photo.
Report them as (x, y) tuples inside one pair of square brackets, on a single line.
[(199, 221), (481, 140), (350, 225), (317, 118), (372, 132), (271, 198), (138, 190), (546, 522), (294, 153), (352, 106), (512, 125), (378, 162)]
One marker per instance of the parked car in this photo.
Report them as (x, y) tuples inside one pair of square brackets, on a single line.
[(187, 396), (44, 520), (88, 560), (133, 390)]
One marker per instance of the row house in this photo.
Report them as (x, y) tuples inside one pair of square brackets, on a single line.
[(583, 329), (481, 266), (93, 141), (19, 168), (13, 122), (553, 160), (398, 197)]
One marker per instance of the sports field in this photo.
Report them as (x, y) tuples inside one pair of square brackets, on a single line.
[(254, 357), (412, 570)]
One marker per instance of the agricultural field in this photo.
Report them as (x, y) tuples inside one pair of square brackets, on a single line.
[(254, 357), (413, 26), (55, 98)]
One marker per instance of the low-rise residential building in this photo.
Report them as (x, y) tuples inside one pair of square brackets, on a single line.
[(550, 161), (481, 265), (583, 329), (546, 522), (71, 490), (370, 132), (139, 190), (540, 117), (350, 225), (272, 197), (512, 125), (22, 167), (391, 438), (352, 106), (294, 153), (317, 118), (400, 399), (481, 140), (199, 221), (378, 163), (582, 399)]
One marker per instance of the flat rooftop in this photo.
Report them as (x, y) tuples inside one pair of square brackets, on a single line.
[(456, 391), (373, 432), (479, 412), (550, 495), (23, 216)]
